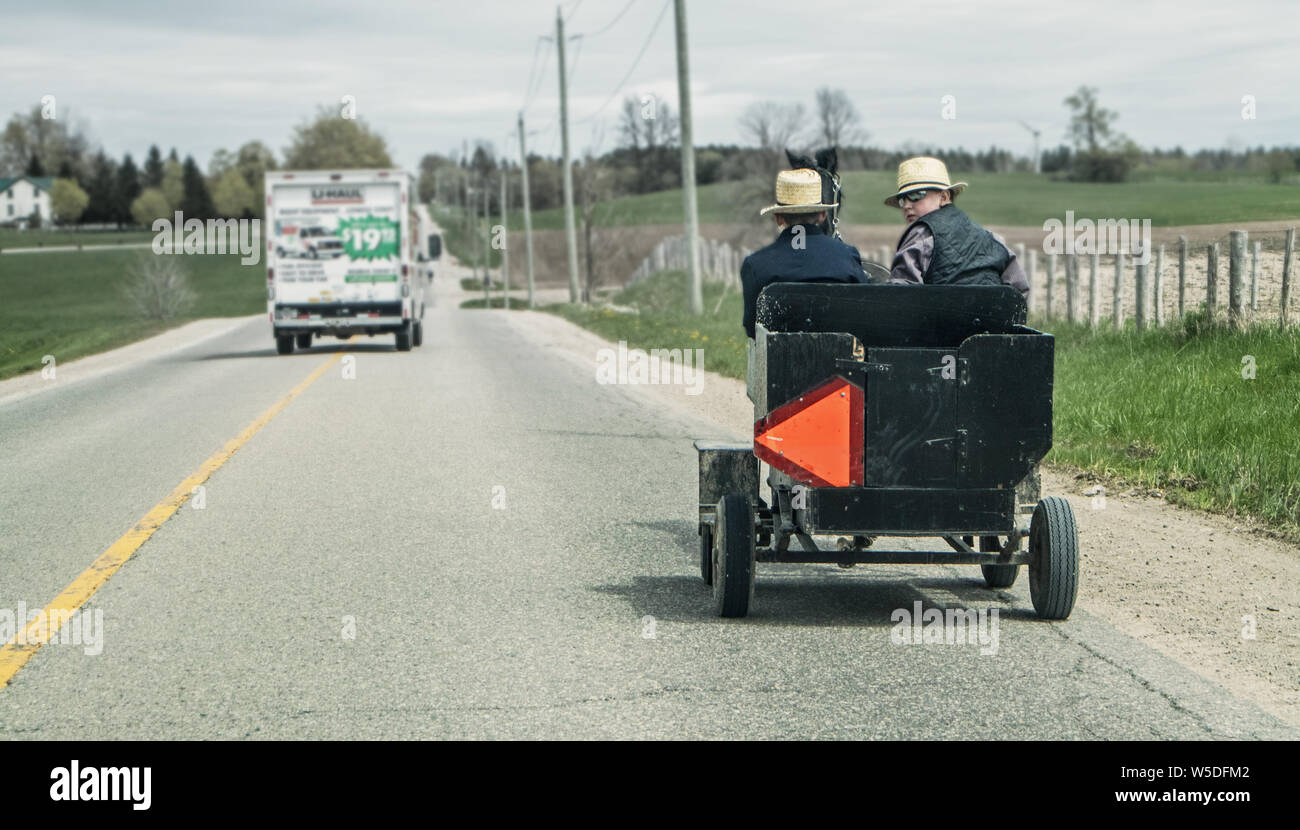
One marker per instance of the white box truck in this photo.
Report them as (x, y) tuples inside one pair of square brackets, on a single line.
[(344, 253)]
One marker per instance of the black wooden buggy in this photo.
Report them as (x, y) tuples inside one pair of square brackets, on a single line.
[(891, 411)]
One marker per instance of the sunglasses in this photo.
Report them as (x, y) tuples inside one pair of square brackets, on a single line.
[(915, 195)]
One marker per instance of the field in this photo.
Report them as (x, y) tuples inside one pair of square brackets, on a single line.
[(10, 238), (1019, 199), (69, 304), (1166, 410)]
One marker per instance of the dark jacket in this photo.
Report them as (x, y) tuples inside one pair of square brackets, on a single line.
[(964, 253), (821, 259)]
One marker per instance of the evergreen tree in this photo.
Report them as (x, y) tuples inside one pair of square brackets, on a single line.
[(34, 167), (128, 188), (153, 168), (102, 191), (196, 203)]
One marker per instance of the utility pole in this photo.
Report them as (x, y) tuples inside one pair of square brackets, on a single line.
[(505, 237), (528, 212), (570, 233), (695, 295)]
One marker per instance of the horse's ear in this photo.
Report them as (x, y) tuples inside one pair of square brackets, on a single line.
[(798, 161), (792, 158), (828, 159)]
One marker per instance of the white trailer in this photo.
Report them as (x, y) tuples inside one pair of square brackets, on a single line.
[(345, 254)]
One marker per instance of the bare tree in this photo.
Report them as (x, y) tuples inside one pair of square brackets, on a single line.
[(838, 121), (771, 125)]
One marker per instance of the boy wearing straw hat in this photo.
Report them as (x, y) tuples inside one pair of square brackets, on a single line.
[(942, 245), (802, 252)]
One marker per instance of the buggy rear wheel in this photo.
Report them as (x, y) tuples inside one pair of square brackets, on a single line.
[(997, 576), (733, 557), (1053, 559)]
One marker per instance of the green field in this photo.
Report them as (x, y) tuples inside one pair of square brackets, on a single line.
[(68, 304), (1166, 409), (1017, 199)]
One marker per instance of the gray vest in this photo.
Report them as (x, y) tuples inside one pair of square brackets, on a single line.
[(964, 253)]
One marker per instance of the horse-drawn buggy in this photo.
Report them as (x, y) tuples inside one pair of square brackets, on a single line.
[(891, 411)]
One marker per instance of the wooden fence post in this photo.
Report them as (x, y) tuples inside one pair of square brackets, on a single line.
[(1051, 284), (1031, 269), (1182, 273), (1160, 286), (1117, 302), (1254, 277), (1286, 275), (1140, 280), (1236, 265), (1094, 303), (1211, 277), (1072, 287)]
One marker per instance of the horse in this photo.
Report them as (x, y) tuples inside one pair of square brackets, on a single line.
[(826, 162)]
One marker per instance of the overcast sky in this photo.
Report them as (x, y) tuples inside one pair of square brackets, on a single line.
[(427, 75)]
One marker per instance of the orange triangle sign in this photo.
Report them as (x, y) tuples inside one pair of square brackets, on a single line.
[(817, 437)]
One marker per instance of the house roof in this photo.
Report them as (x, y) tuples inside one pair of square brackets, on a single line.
[(45, 183)]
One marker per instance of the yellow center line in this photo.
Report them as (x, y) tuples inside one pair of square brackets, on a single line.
[(15, 653)]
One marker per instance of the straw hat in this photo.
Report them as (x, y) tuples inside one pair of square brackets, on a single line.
[(798, 191), (923, 173)]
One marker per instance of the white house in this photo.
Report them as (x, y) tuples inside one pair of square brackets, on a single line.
[(22, 196)]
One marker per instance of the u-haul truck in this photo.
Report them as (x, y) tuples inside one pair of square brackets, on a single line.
[(342, 253)]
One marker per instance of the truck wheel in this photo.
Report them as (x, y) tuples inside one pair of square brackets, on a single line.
[(733, 557), (1053, 559), (417, 334), (706, 553), (284, 343), (304, 341), (997, 576), (404, 338)]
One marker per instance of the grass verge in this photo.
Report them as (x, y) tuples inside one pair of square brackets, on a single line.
[(69, 304)]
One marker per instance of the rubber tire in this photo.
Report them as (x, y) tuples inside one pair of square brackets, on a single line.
[(706, 553), (733, 557), (997, 576), (284, 343), (417, 334), (1053, 559), (404, 339), (304, 341)]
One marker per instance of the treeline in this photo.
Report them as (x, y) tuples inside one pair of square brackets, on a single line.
[(94, 188)]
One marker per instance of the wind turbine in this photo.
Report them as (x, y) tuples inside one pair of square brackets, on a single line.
[(1038, 158)]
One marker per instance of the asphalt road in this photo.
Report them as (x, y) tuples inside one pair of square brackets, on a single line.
[(469, 541)]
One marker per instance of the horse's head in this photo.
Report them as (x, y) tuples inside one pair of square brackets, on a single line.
[(826, 163)]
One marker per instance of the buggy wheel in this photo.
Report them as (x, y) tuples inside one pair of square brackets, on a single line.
[(733, 557), (304, 341), (1053, 559), (284, 343), (706, 553), (997, 576)]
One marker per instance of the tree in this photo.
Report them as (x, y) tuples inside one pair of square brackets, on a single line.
[(67, 201), (232, 196), (772, 126), (837, 119), (333, 142), (1089, 122), (102, 190), (153, 168), (1278, 165), (151, 204), (51, 141), (196, 201), (34, 167), (172, 186), (128, 188), (648, 131)]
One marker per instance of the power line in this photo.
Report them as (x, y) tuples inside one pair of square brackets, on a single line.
[(573, 67), (635, 63), (532, 73), (541, 75), (611, 23), (573, 10)]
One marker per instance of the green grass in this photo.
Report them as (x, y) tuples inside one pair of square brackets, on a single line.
[(1017, 199), (68, 305), (517, 303), (1166, 409), (11, 238), (460, 241), (663, 322)]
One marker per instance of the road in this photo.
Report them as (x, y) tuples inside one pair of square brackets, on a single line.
[(477, 540)]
